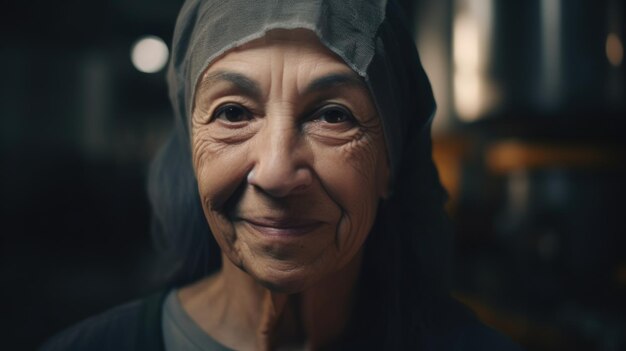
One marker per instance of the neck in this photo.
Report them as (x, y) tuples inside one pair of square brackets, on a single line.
[(241, 314)]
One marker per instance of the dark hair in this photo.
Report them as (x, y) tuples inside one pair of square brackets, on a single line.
[(405, 268)]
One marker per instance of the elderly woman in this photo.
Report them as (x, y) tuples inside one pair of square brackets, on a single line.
[(296, 198)]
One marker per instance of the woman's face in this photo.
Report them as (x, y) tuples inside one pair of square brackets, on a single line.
[(290, 158)]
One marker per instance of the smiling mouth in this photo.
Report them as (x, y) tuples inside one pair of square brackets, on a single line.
[(282, 227)]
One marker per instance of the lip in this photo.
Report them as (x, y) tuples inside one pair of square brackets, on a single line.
[(282, 227)]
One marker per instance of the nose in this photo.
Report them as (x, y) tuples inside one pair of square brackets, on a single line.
[(281, 166)]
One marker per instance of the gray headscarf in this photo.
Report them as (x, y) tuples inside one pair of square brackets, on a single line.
[(410, 237)]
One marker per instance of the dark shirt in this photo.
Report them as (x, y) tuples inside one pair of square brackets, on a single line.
[(138, 326)]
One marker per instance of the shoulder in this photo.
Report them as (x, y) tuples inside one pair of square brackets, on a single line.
[(120, 328), (114, 329), (465, 333), (473, 337)]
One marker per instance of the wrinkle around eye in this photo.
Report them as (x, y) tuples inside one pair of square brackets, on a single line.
[(333, 134), (206, 106), (223, 133), (362, 127)]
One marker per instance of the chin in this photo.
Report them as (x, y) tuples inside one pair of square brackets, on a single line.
[(290, 281)]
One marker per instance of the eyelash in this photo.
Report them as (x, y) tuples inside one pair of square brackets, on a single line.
[(231, 106), (349, 117)]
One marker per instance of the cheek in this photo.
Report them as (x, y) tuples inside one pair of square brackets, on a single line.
[(219, 168), (351, 175), (219, 171)]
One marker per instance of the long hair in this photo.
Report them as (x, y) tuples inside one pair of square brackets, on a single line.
[(405, 265)]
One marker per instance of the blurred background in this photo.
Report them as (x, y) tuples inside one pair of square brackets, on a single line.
[(529, 140)]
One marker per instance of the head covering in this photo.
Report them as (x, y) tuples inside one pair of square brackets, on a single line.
[(410, 235)]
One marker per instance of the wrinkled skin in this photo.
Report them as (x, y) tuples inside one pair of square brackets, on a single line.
[(291, 164)]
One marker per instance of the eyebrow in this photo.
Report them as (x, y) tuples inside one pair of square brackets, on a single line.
[(251, 88), (333, 80), (246, 85)]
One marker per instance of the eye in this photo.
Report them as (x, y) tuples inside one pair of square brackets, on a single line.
[(232, 113), (335, 115)]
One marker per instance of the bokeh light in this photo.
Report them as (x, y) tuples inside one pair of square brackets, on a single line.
[(614, 49), (149, 54)]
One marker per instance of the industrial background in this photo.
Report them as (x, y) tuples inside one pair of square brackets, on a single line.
[(529, 139)]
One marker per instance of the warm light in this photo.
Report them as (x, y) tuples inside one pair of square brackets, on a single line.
[(468, 95), (614, 49), (466, 42), (467, 62), (471, 34), (149, 54)]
